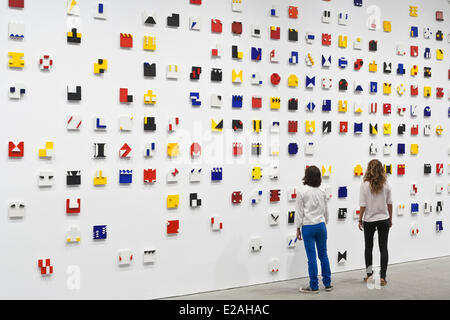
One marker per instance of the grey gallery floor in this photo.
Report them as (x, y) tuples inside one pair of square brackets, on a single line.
[(424, 279)]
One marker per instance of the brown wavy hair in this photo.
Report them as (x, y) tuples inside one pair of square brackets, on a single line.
[(375, 175)]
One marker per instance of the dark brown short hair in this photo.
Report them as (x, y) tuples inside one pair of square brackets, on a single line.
[(313, 177)]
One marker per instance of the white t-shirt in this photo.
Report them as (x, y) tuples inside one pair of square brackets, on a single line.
[(375, 203), (312, 206)]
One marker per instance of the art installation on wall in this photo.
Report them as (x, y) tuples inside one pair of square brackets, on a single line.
[(101, 66), (173, 226), (149, 256), (73, 235), (45, 179), (45, 267), (74, 36), (125, 257), (274, 265), (73, 205), (216, 223), (125, 176), (292, 241), (342, 257), (149, 175), (16, 209), (45, 62), (17, 91), (18, 4), (99, 179), (16, 60), (100, 232), (256, 244), (100, 11), (16, 150)]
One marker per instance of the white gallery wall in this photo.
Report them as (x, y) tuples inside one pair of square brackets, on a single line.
[(199, 259)]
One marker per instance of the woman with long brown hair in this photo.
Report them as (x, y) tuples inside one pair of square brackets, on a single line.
[(375, 214)]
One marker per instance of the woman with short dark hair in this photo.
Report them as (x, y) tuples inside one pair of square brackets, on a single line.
[(375, 202), (312, 217)]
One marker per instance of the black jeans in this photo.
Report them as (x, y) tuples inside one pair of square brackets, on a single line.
[(383, 227)]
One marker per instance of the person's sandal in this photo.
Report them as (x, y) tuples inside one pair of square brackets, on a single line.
[(383, 282), (308, 290), (366, 278)]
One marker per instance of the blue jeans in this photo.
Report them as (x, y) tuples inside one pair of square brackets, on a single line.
[(316, 235)]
